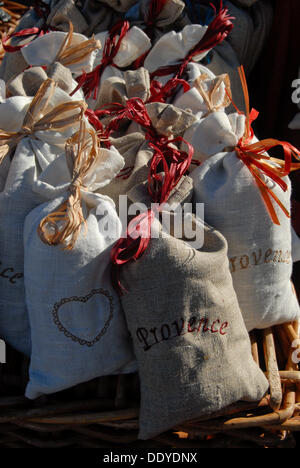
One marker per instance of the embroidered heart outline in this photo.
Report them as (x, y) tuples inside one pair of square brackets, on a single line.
[(67, 333)]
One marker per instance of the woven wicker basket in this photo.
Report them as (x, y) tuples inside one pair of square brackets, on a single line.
[(104, 412)]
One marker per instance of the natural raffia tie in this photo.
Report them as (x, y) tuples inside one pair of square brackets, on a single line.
[(259, 163), (41, 116), (208, 97), (64, 225), (69, 54), (89, 82), (216, 32)]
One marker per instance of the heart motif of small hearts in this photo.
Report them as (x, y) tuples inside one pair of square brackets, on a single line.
[(83, 299)]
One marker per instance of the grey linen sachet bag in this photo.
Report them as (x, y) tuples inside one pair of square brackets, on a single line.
[(188, 332), (158, 19), (246, 194), (77, 326)]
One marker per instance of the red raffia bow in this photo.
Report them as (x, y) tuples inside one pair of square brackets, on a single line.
[(216, 32), (258, 162), (95, 122), (168, 165), (160, 93), (89, 82), (42, 9)]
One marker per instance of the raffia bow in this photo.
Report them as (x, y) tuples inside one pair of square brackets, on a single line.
[(40, 117), (64, 225), (259, 163), (69, 54), (208, 96)]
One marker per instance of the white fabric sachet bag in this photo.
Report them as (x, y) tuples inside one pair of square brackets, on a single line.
[(77, 325), (121, 46), (207, 95), (246, 196), (74, 51), (175, 50), (31, 123), (214, 133)]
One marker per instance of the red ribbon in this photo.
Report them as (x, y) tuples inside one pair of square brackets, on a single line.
[(167, 166), (216, 32), (95, 122), (89, 82), (160, 93), (38, 32)]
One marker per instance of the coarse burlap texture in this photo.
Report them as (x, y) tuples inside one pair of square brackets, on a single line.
[(259, 251), (188, 332)]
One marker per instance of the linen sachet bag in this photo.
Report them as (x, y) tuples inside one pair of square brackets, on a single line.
[(214, 130), (72, 50), (116, 89), (161, 16), (121, 46), (62, 12), (172, 53), (39, 128), (187, 329), (208, 94), (246, 195), (161, 124), (13, 62), (78, 330)]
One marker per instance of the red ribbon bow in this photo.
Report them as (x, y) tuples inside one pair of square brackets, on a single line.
[(89, 82), (167, 166), (216, 32)]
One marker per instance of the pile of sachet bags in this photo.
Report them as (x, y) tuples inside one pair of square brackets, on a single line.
[(113, 105)]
